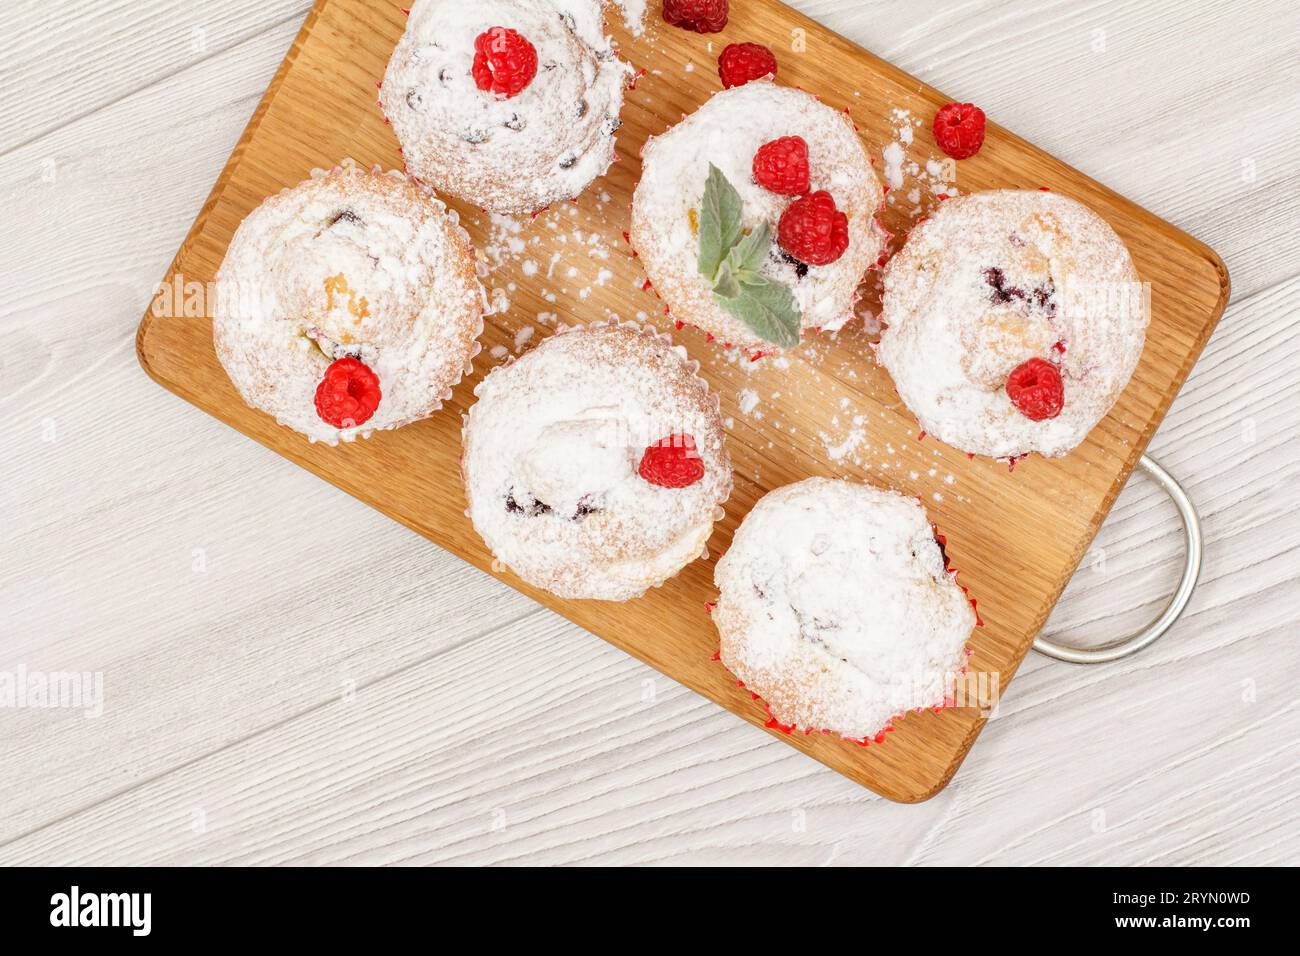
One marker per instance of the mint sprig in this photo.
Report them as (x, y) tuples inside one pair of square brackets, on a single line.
[(719, 221), (731, 260)]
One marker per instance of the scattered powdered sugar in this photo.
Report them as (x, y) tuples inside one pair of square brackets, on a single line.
[(894, 156), (523, 244), (633, 15), (841, 450), (835, 607), (935, 175)]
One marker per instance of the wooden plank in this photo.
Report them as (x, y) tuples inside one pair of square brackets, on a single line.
[(110, 520), (66, 64), (666, 628)]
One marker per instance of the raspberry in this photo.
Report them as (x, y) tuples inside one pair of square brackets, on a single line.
[(959, 129), (504, 62), (813, 230), (672, 462), (781, 166), (348, 395), (1036, 389), (702, 16), (741, 62)]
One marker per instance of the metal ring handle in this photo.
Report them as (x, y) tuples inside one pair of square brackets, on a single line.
[(1153, 631)]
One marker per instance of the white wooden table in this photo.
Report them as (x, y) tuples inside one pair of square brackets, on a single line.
[(290, 677)]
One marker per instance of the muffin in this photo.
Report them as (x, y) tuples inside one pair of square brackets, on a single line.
[(347, 304), (836, 608), (507, 104), (791, 207), (595, 465), (1013, 320)]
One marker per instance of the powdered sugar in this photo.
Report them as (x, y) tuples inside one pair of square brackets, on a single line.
[(902, 171), (551, 451), (993, 279), (841, 449), (633, 15), (727, 131), (835, 607), (348, 264), (894, 156), (510, 155)]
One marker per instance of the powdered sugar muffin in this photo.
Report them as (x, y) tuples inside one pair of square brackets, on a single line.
[(1014, 319), (795, 172), (509, 104), (836, 608), (595, 465), (348, 303)]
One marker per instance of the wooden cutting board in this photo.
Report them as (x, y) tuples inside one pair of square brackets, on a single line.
[(825, 410)]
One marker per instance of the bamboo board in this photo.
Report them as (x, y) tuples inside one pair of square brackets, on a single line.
[(827, 409)]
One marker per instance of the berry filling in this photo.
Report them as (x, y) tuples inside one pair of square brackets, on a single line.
[(345, 215), (535, 508), (348, 395), (672, 462), (1036, 389), (800, 268), (504, 62), (1043, 296), (532, 509)]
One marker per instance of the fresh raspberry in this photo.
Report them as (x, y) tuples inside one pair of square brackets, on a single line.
[(781, 166), (813, 230), (959, 129), (1036, 389), (702, 16), (348, 395), (741, 62), (504, 62), (672, 462)]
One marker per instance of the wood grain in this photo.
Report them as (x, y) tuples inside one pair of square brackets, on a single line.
[(219, 684), (1054, 508)]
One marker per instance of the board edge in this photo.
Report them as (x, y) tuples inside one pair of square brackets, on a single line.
[(219, 187)]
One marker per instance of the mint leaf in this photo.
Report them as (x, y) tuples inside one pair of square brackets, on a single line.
[(732, 262), (768, 308), (749, 254), (719, 222), (726, 285)]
